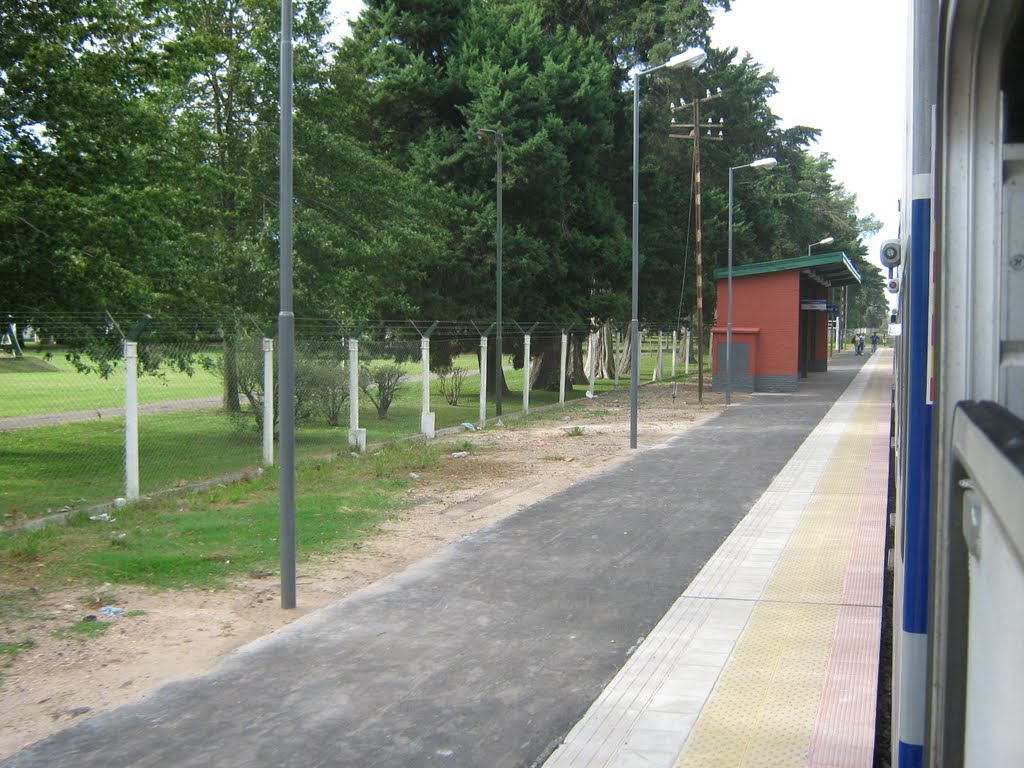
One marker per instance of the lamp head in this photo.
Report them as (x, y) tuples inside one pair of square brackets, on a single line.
[(483, 133), (765, 163), (827, 241), (692, 58)]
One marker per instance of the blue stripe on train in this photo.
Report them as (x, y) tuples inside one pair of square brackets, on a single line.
[(917, 497), (919, 428), (910, 755)]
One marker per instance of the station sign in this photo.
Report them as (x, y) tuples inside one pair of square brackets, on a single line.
[(815, 305)]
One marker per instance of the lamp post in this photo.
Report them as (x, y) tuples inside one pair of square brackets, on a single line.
[(692, 58), (499, 375), (826, 241), (286, 322), (764, 163)]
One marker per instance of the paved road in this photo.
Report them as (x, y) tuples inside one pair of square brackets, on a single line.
[(488, 652)]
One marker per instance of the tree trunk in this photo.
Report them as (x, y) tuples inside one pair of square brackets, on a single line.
[(231, 384), (604, 367), (547, 363), (546, 353), (626, 354), (493, 369), (576, 372)]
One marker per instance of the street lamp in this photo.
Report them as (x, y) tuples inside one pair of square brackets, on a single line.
[(827, 241), (692, 58), (499, 374), (764, 163)]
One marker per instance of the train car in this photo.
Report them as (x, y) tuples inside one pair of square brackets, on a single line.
[(958, 266)]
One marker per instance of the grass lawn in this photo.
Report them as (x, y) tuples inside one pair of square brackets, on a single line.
[(81, 464), (204, 539), (39, 384)]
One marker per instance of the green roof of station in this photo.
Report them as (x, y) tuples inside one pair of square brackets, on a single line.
[(832, 269)]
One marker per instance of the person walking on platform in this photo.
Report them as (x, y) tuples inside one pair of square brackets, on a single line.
[(874, 341)]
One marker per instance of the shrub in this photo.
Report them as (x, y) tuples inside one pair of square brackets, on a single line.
[(386, 379), (321, 383), (451, 380), (321, 389)]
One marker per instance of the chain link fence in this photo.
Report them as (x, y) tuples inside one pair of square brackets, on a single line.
[(96, 410)]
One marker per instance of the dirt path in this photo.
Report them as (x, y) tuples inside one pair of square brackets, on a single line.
[(11, 423), (163, 636), (67, 417)]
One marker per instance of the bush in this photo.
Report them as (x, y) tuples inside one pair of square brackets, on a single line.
[(451, 380), (321, 389), (321, 383), (386, 378)]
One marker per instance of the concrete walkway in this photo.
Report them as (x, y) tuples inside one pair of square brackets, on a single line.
[(488, 653)]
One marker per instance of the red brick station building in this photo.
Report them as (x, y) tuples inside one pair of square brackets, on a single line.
[(780, 330)]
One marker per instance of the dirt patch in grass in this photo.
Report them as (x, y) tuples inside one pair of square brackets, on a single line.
[(60, 677)]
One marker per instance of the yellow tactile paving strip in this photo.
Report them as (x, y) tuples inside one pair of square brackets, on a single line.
[(762, 710)]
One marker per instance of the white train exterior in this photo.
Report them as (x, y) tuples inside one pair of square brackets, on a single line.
[(958, 603)]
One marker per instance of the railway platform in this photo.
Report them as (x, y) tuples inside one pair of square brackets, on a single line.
[(770, 656), (713, 601)]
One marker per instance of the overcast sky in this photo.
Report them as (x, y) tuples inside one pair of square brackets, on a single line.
[(840, 67)]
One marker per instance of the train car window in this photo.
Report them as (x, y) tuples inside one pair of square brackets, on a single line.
[(1012, 342)]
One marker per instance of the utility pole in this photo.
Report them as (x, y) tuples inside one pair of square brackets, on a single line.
[(694, 133)]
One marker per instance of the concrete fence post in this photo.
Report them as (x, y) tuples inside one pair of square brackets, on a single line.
[(675, 350), (561, 375), (426, 416), (483, 382), (356, 436), (659, 363), (527, 373), (593, 363), (615, 361), (686, 370), (268, 402), (131, 421)]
